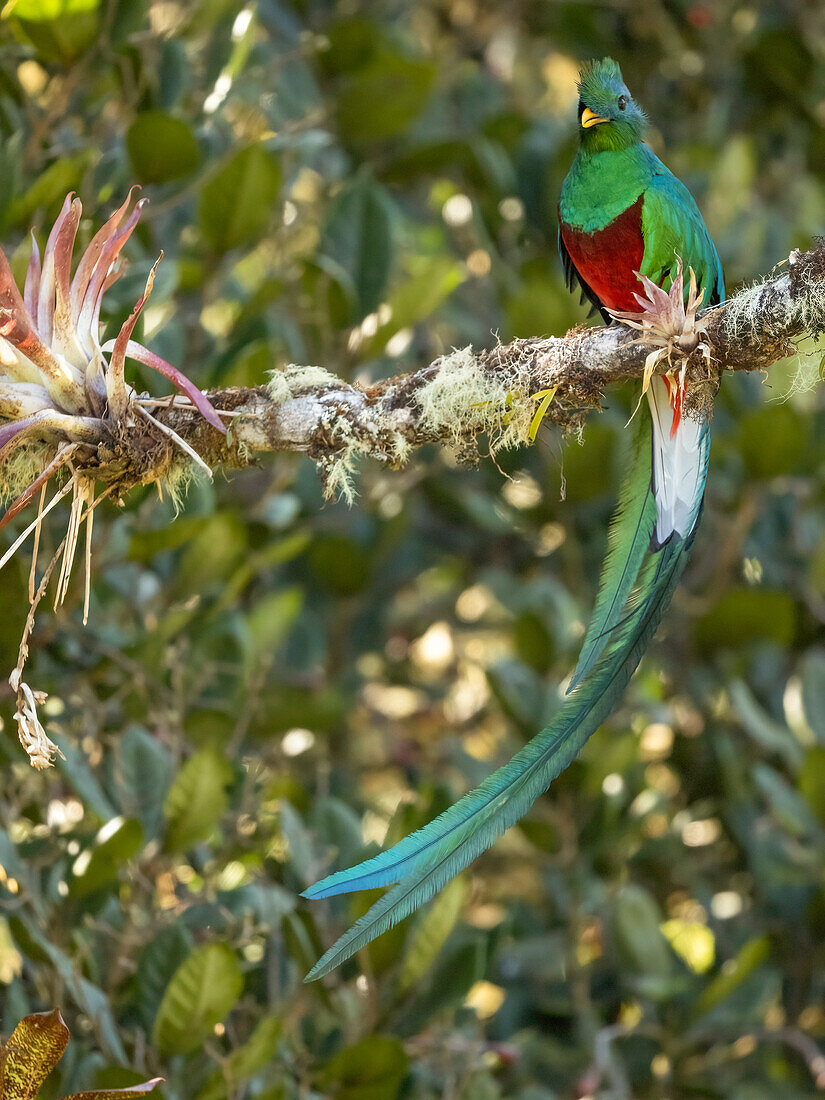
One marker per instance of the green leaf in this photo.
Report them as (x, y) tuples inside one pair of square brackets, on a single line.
[(196, 800), (766, 732), (431, 934), (161, 148), (117, 842), (751, 955), (143, 771), (75, 766), (35, 1047), (60, 30), (415, 300), (235, 205), (358, 237), (269, 621), (50, 187), (787, 806), (201, 993), (383, 98), (161, 957), (636, 924), (371, 1070), (812, 781)]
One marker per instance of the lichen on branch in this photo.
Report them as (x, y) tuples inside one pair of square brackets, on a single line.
[(466, 394)]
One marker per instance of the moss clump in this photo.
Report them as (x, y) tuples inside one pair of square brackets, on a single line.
[(465, 396)]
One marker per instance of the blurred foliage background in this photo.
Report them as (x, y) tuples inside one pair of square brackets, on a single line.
[(269, 688)]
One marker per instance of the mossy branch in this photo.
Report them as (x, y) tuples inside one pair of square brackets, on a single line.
[(466, 393)]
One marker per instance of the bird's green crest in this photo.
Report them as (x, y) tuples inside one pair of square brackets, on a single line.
[(598, 78)]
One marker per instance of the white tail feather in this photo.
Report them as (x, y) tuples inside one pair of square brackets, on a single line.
[(679, 462)]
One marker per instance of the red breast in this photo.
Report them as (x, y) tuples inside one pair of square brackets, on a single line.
[(608, 258)]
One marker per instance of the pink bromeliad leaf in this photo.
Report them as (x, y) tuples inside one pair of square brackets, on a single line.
[(116, 374), (31, 289), (90, 257), (88, 314), (178, 379)]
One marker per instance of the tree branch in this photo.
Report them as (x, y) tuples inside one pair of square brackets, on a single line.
[(464, 394)]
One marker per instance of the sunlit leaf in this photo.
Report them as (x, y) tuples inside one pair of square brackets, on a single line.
[(60, 30), (196, 800), (371, 1070), (200, 994), (692, 941)]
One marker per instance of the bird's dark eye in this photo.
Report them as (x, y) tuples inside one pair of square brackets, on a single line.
[(622, 102)]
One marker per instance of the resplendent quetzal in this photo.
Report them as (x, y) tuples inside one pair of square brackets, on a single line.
[(621, 212)]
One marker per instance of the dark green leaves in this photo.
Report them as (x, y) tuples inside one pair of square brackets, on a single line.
[(161, 148), (383, 98), (236, 203), (358, 237), (371, 1070)]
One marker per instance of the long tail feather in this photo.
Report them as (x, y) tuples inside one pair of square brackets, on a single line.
[(628, 541), (626, 619), (426, 860)]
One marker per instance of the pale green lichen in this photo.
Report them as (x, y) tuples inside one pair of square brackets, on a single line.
[(465, 396), (294, 379), (352, 437), (176, 481), (743, 316), (21, 468)]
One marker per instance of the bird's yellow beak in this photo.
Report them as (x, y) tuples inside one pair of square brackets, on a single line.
[(590, 118)]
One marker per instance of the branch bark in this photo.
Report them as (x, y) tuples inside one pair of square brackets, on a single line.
[(463, 394)]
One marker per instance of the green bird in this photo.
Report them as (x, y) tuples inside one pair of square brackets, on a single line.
[(622, 213)]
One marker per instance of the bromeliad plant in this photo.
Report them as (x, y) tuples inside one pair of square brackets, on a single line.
[(68, 413)]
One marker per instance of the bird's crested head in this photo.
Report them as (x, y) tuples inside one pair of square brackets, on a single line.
[(609, 117)]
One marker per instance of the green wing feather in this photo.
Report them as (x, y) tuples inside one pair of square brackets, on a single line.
[(672, 225), (628, 541)]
